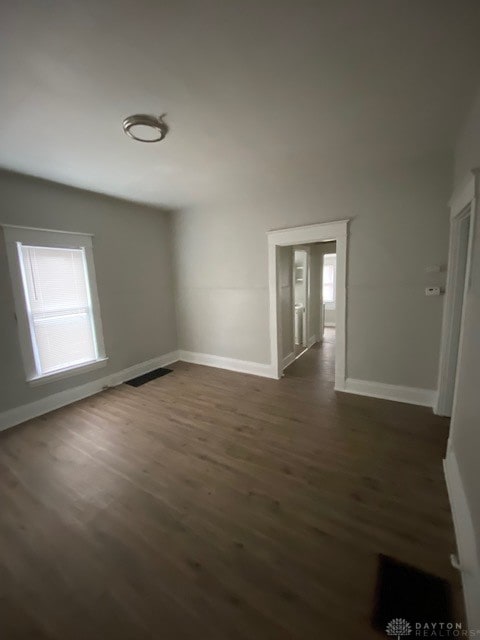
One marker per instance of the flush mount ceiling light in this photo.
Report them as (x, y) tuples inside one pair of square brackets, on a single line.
[(145, 128)]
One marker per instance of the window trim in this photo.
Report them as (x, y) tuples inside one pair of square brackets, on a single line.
[(68, 372), (15, 235)]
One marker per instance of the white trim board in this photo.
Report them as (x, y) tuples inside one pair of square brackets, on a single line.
[(219, 362), (69, 233), (410, 395), (17, 415), (468, 552), (288, 360), (322, 232), (311, 341)]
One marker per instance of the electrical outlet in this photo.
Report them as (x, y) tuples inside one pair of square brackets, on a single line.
[(432, 291)]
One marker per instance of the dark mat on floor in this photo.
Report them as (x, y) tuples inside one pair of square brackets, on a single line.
[(147, 377), (410, 594)]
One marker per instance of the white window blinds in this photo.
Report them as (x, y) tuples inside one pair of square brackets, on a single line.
[(59, 306)]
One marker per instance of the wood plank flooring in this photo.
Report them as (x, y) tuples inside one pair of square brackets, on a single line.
[(215, 505)]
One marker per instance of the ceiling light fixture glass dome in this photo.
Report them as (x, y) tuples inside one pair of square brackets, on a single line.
[(145, 128)]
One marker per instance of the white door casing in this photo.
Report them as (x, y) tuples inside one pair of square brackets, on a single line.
[(322, 232)]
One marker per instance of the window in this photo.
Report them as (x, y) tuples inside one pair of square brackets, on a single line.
[(329, 276), (56, 302)]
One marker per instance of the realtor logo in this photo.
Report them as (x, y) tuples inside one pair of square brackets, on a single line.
[(398, 627)]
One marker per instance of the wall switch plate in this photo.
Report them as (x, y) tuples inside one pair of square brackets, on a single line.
[(432, 291)]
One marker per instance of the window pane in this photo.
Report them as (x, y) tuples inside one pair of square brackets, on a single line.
[(328, 293), (64, 341), (55, 278), (56, 288), (328, 274)]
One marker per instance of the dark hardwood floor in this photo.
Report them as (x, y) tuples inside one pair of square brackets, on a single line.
[(215, 505)]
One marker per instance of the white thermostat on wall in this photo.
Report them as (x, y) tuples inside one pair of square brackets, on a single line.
[(432, 291)]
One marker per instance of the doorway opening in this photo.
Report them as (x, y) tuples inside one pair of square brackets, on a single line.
[(314, 287), (314, 280), (301, 299), (296, 261)]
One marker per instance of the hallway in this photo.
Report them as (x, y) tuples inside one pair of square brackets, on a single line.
[(317, 362)]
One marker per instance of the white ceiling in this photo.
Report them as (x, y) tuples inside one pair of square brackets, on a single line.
[(249, 86)]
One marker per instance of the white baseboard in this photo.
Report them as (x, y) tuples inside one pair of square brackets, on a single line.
[(468, 553), (411, 395), (288, 360), (15, 416), (219, 362), (311, 341), (144, 367)]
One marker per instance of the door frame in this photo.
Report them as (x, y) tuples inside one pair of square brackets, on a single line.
[(462, 206), (322, 232)]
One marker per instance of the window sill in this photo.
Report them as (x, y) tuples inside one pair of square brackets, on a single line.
[(66, 373)]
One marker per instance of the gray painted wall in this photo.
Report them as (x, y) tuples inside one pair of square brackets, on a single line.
[(300, 257), (465, 439), (134, 277), (302, 294), (286, 299), (222, 273)]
